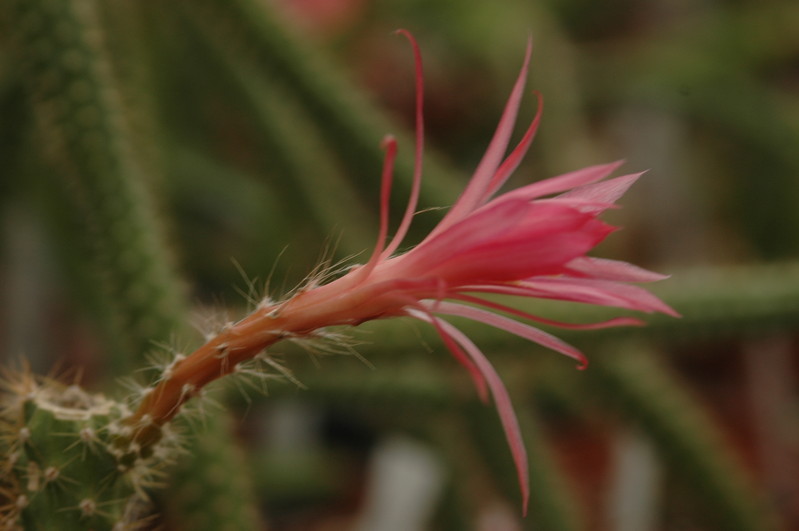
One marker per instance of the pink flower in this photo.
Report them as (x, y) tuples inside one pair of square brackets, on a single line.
[(528, 242), (520, 243)]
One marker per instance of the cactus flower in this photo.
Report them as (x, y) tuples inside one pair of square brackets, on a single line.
[(528, 242)]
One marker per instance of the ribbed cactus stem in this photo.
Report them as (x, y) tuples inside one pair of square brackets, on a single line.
[(61, 468)]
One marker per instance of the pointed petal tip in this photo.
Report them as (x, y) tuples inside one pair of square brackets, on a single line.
[(656, 305), (616, 164), (610, 167), (529, 47), (629, 179)]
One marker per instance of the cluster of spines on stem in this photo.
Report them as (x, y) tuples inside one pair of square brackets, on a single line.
[(62, 466)]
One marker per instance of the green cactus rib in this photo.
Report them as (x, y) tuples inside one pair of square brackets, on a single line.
[(630, 378), (83, 132), (252, 32)]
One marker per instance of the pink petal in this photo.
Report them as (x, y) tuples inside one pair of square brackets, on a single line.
[(605, 192), (475, 191), (604, 269), (518, 258), (513, 160), (582, 205), (609, 323), (475, 230), (508, 241), (602, 292), (509, 325), (457, 352), (544, 245), (561, 183), (504, 406)]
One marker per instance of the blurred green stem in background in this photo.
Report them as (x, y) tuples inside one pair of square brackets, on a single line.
[(113, 228)]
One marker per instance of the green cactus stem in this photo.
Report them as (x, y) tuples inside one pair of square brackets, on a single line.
[(81, 121), (62, 469)]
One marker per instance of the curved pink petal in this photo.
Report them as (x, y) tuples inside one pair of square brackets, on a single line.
[(454, 348), (514, 327), (504, 406), (609, 323), (475, 190), (602, 292)]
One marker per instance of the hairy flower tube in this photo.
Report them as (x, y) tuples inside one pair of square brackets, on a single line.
[(528, 242)]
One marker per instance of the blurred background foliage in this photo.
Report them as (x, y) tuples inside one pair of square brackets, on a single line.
[(162, 162)]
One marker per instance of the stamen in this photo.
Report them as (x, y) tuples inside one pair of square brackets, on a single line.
[(413, 200), (390, 145)]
